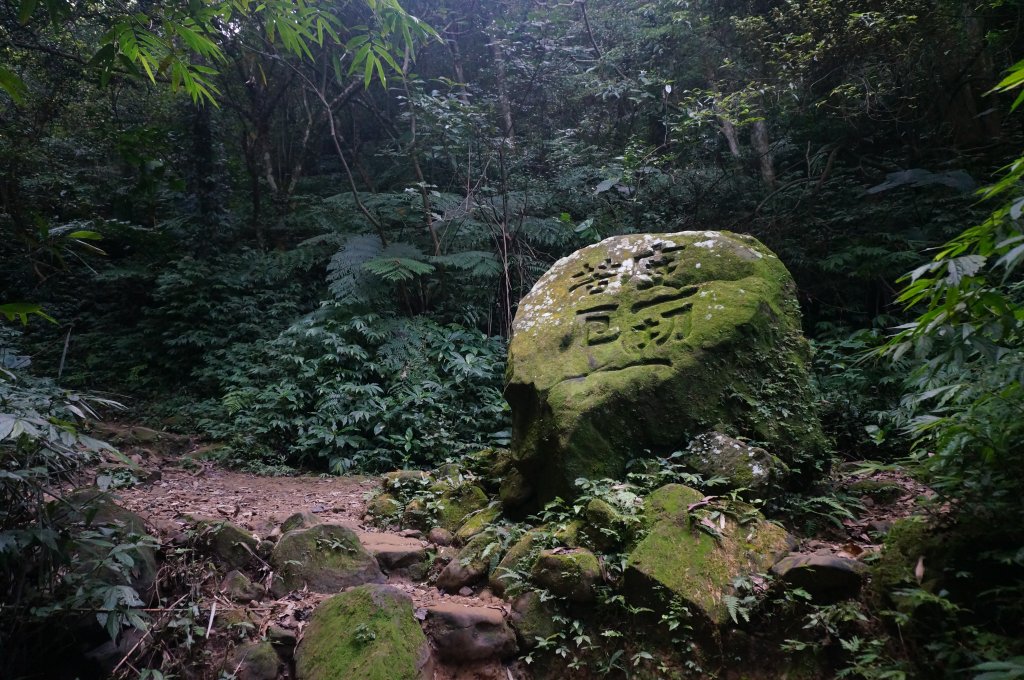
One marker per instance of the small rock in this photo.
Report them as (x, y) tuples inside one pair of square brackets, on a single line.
[(465, 591), (325, 558), (283, 639), (411, 533), (568, 573), (533, 619), (714, 454), (478, 522), (470, 566), (827, 578), (461, 633), (440, 536), (299, 520), (254, 661), (228, 542), (395, 553), (240, 588), (264, 549)]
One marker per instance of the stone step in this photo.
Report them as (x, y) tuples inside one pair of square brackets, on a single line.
[(396, 553), (461, 633)]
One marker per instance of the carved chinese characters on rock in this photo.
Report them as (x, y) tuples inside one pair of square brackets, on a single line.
[(658, 312)]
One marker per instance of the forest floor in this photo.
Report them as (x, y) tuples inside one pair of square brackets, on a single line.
[(180, 487)]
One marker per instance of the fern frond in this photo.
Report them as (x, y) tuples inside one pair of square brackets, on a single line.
[(476, 263), (345, 276)]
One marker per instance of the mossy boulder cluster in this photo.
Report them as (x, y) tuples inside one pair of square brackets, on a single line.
[(639, 343)]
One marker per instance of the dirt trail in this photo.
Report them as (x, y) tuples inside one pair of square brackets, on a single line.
[(183, 489)]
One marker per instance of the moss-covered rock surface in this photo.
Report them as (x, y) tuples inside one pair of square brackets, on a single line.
[(643, 341), (325, 558), (694, 552), (369, 633)]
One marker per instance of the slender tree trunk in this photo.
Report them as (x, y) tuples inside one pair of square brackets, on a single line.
[(501, 79), (759, 140), (731, 138)]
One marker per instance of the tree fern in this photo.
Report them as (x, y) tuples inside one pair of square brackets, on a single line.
[(399, 262)]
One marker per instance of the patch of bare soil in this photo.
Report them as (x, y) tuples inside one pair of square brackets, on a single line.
[(203, 490)]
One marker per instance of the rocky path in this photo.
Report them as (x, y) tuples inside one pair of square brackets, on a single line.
[(258, 613), (181, 490)]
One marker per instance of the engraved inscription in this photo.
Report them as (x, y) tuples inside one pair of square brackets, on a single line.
[(661, 314)]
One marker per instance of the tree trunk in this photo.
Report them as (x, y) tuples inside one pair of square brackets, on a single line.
[(503, 101), (759, 140)]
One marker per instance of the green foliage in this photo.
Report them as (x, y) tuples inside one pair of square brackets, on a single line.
[(56, 562), (362, 392)]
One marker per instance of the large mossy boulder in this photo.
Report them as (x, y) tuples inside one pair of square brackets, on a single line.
[(641, 342), (325, 558), (695, 552), (368, 632)]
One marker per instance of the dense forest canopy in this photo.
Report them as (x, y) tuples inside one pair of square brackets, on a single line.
[(302, 229)]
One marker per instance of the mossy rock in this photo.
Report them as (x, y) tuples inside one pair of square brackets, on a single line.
[(385, 507), (569, 534), (240, 619), (416, 516), (516, 560), (368, 633), (688, 563), (490, 465), (478, 522), (909, 539), (743, 466), (606, 528), (240, 588), (253, 661), (533, 619), (640, 342), (473, 563), (455, 504), (448, 471), (571, 574), (228, 543), (879, 490), (299, 520), (400, 477), (94, 508), (325, 558)]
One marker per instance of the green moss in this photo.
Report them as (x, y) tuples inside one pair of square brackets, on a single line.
[(455, 504), (595, 378), (691, 564), (908, 539), (569, 533), (255, 661), (478, 522), (571, 574), (671, 500), (415, 515), (227, 542), (880, 490), (368, 633), (533, 619), (606, 527), (384, 507), (326, 558), (299, 520), (519, 558)]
